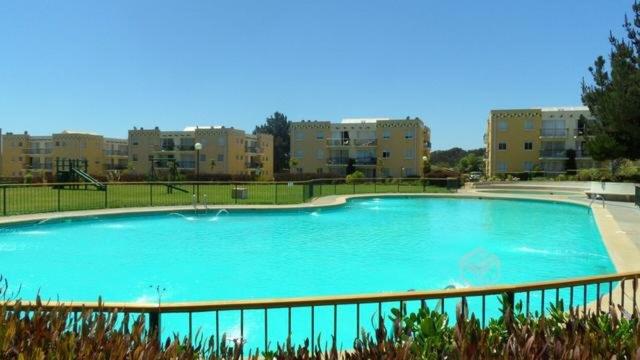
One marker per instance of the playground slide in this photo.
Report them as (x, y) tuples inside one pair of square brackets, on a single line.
[(89, 179), (173, 187)]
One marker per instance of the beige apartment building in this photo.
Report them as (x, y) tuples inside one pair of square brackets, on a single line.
[(536, 139), (380, 147), (24, 153), (223, 151)]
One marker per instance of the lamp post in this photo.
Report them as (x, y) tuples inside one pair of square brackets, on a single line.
[(198, 147)]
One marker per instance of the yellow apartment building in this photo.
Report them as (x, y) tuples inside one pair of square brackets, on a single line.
[(536, 139), (380, 147), (24, 153), (223, 151)]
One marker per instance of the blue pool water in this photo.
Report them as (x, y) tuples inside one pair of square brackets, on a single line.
[(367, 246)]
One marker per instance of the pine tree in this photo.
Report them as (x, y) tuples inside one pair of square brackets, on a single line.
[(614, 97)]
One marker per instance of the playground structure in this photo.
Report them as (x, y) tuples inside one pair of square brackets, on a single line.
[(173, 173), (75, 172)]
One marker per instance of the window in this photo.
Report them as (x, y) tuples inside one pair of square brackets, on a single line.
[(528, 124), (502, 125), (320, 154), (220, 157), (408, 134), (386, 154), (299, 154), (221, 142), (135, 157), (299, 135), (528, 145), (502, 167), (203, 157), (502, 146), (386, 134), (527, 166), (319, 135), (409, 153), (409, 172)]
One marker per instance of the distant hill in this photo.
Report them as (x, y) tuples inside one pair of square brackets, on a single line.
[(451, 157)]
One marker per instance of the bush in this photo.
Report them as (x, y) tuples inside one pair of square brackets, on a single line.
[(355, 177)]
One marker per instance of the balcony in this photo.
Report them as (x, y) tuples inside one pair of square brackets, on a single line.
[(579, 132), (186, 147), (37, 166), (167, 147), (116, 152), (366, 161), (38, 151), (554, 154), (253, 165), (338, 142), (554, 133), (364, 142), (252, 149), (337, 161)]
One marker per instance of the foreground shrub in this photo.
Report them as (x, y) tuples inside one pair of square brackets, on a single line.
[(424, 334)]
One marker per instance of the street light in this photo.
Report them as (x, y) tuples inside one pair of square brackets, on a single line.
[(198, 147)]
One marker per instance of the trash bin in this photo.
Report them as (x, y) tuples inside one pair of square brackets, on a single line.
[(239, 193)]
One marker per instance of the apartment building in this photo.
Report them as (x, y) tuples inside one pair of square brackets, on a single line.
[(24, 153), (223, 151), (523, 140), (379, 147)]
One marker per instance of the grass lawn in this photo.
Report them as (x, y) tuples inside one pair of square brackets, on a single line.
[(20, 199)]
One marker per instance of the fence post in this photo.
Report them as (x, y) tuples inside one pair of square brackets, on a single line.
[(354, 187), (198, 192), (398, 185), (150, 194), (276, 199), (4, 200), (424, 185), (58, 198), (154, 325), (235, 193)]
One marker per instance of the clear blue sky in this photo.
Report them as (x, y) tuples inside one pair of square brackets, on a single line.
[(106, 66)]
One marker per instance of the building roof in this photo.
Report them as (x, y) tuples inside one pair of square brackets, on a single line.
[(193, 128), (362, 120), (565, 108)]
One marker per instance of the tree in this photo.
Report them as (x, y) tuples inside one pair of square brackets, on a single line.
[(471, 162), (278, 126), (614, 98), (451, 157)]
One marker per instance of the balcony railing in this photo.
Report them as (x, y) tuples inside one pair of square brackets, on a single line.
[(115, 167), (252, 149), (553, 153), (116, 152), (365, 142), (167, 147), (38, 151), (337, 161), (366, 161), (554, 132), (186, 147), (338, 142), (46, 166)]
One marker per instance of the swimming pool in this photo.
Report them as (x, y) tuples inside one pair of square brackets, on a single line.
[(366, 246)]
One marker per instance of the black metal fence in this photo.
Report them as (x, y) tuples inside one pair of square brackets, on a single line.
[(17, 199)]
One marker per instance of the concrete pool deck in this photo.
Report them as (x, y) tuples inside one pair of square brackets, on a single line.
[(618, 222)]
